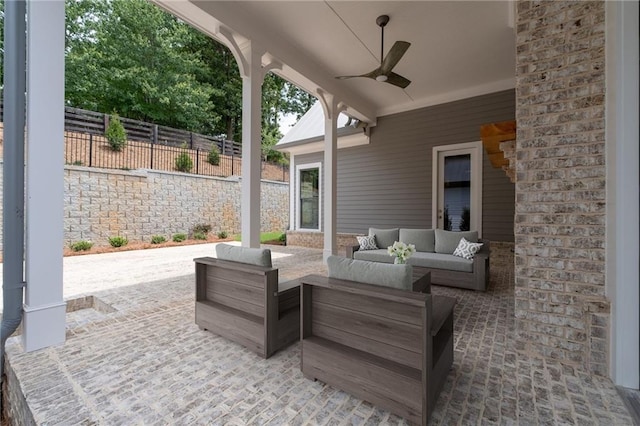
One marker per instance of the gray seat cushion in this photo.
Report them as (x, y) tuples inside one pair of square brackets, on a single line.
[(385, 237), (441, 261), (380, 255), (423, 239), (447, 241), (252, 256), (396, 276)]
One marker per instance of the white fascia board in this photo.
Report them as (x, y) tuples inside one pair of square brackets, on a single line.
[(297, 67), (317, 145), (469, 92)]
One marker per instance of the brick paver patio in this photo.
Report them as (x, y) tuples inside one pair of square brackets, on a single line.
[(134, 356)]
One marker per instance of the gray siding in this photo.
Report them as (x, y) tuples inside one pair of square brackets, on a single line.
[(388, 182)]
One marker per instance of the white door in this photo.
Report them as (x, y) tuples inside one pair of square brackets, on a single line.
[(457, 187)]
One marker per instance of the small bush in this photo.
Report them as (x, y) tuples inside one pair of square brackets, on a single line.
[(201, 227), (81, 245), (178, 238), (199, 236), (116, 134), (77, 163), (214, 156), (283, 238), (118, 241), (222, 235), (158, 239), (184, 163)]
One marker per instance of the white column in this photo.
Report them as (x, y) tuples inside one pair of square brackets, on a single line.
[(623, 173), (251, 145), (44, 309), (330, 166)]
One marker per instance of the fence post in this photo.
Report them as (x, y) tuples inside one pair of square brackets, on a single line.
[(198, 161), (190, 140), (233, 161), (106, 123), (90, 149), (154, 141)]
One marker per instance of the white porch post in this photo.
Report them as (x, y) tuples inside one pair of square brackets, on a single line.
[(44, 308), (331, 112), (251, 146), (623, 173)]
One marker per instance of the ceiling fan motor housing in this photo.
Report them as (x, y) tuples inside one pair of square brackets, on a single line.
[(382, 20)]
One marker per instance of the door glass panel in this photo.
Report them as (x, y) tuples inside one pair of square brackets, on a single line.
[(457, 193), (309, 198)]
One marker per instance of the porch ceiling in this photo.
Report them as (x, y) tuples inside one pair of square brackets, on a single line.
[(458, 48)]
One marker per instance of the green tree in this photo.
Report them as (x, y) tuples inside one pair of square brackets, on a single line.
[(129, 55)]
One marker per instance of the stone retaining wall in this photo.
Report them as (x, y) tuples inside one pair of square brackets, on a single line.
[(561, 309), (101, 203), (316, 240)]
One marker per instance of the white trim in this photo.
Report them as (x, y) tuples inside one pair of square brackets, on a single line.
[(293, 181), (455, 95), (347, 141), (475, 150), (299, 168), (622, 274)]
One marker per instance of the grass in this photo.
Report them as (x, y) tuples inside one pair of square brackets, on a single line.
[(265, 237)]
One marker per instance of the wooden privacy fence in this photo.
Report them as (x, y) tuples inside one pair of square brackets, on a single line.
[(96, 123), (151, 146)]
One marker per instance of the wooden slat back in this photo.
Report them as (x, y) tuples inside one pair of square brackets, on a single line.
[(368, 326), (236, 289)]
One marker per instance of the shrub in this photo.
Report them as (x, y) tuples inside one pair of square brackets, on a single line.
[(283, 238), (118, 241), (178, 238), (184, 163), (81, 245), (201, 227), (158, 239), (214, 156), (199, 236), (222, 235), (116, 134)]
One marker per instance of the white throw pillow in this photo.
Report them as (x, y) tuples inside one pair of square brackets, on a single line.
[(367, 243), (467, 249)]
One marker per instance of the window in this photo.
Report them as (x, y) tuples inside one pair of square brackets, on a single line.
[(308, 200)]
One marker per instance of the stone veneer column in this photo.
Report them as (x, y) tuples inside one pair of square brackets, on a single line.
[(560, 305)]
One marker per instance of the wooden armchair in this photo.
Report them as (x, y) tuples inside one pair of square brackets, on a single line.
[(389, 346), (244, 303)]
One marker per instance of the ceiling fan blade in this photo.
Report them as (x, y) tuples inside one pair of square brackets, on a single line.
[(373, 74), (398, 80), (393, 57)]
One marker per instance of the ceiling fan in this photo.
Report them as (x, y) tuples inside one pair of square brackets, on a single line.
[(384, 71)]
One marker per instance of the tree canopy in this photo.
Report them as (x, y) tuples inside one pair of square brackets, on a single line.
[(131, 57)]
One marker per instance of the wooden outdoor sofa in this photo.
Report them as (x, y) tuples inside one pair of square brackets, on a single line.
[(434, 253), (392, 347), (238, 297)]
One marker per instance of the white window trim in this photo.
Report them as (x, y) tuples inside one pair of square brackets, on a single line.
[(475, 148), (300, 168)]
